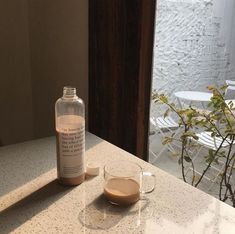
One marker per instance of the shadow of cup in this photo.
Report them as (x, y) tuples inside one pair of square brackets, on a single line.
[(100, 214)]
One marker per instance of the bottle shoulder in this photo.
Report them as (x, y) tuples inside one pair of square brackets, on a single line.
[(74, 100)]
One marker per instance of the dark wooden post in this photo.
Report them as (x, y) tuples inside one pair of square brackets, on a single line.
[(120, 65)]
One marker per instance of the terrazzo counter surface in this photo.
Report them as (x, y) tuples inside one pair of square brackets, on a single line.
[(31, 200)]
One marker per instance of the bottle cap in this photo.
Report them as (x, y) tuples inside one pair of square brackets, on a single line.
[(92, 169)]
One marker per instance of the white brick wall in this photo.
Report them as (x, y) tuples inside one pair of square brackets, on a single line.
[(193, 45)]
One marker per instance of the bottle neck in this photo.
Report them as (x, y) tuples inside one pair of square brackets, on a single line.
[(69, 92)]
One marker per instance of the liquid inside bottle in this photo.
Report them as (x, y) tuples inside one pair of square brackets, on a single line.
[(70, 136)]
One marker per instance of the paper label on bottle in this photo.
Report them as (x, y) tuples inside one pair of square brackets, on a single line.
[(71, 151)]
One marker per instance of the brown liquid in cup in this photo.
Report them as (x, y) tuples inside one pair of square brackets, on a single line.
[(122, 191)]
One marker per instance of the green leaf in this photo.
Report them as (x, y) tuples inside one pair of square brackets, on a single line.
[(189, 134), (180, 161), (167, 140), (166, 113), (163, 98), (213, 134), (210, 87), (211, 156), (187, 159), (211, 152)]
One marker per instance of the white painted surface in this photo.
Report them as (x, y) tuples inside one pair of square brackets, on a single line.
[(194, 45), (195, 96)]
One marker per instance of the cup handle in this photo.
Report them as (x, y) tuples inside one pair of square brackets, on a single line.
[(149, 174)]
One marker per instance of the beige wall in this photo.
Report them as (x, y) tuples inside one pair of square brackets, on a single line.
[(59, 55), (44, 47), (15, 84)]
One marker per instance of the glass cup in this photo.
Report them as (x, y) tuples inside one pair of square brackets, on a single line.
[(123, 182)]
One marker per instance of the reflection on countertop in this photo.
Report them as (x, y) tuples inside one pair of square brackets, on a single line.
[(41, 205)]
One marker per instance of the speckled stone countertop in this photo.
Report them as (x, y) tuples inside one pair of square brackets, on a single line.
[(31, 200)]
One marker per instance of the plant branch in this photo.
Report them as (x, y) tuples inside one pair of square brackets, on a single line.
[(209, 164), (227, 165)]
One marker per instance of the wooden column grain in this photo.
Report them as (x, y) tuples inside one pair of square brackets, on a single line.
[(120, 66)]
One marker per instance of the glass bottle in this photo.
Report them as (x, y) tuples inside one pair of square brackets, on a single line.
[(70, 137)]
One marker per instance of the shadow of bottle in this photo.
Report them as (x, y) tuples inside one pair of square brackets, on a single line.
[(23, 210)]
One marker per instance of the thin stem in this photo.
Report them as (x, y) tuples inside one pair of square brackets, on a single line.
[(230, 174), (209, 164), (231, 167), (193, 173), (188, 155), (184, 142), (226, 106), (220, 189), (227, 165), (172, 108), (227, 159), (182, 160), (213, 124), (227, 118), (224, 179)]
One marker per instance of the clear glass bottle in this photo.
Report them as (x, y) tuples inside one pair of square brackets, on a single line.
[(70, 137)]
